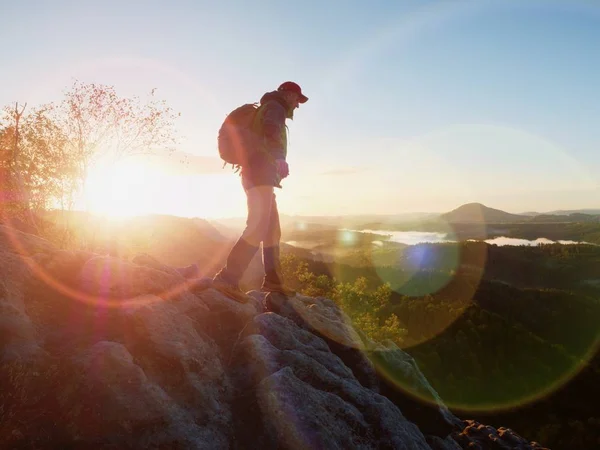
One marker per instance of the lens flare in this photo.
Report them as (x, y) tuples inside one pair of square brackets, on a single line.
[(522, 382), (347, 238), (104, 281), (421, 269)]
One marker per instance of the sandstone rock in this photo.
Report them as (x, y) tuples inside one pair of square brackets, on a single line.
[(437, 443), (222, 319), (479, 436), (143, 259), (17, 332), (15, 274), (63, 266), (398, 371), (257, 298), (359, 353), (14, 241), (115, 280), (310, 387), (111, 403), (97, 352), (24, 364), (319, 315)]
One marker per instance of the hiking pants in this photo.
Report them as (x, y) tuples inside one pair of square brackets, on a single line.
[(262, 223)]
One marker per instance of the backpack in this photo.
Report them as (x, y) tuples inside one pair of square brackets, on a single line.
[(237, 140)]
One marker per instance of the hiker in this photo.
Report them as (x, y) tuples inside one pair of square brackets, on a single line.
[(260, 175)]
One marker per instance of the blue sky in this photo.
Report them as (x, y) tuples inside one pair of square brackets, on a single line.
[(414, 105)]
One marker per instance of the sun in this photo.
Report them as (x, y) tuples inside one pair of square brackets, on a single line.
[(137, 187), (120, 191)]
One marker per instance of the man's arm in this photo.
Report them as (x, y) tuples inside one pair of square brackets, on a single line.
[(273, 129)]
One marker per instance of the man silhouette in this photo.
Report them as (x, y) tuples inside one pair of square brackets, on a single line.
[(260, 176)]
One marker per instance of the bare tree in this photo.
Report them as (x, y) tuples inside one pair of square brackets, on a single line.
[(46, 153), (101, 126)]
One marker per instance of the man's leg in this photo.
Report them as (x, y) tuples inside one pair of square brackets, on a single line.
[(259, 201), (237, 261), (271, 258)]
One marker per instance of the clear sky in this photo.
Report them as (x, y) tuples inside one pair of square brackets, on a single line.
[(414, 105)]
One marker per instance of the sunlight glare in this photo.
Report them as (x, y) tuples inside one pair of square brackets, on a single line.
[(136, 188), (120, 191)]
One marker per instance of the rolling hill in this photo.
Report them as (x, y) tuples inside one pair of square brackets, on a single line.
[(478, 213)]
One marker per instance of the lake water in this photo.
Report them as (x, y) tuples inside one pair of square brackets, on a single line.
[(419, 237)]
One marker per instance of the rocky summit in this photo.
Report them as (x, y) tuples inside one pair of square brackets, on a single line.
[(98, 352)]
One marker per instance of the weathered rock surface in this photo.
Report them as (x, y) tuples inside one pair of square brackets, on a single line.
[(478, 436), (102, 353)]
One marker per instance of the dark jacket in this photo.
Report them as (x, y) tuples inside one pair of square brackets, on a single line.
[(270, 120)]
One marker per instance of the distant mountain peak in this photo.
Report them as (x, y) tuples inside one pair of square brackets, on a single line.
[(478, 212)]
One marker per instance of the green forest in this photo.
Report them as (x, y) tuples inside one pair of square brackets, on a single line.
[(506, 335)]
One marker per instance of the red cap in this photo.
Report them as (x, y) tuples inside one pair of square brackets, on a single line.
[(293, 87)]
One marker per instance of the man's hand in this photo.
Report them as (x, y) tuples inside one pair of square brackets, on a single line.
[(283, 169)]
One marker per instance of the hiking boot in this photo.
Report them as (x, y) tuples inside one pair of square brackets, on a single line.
[(226, 280), (277, 288), (229, 289)]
